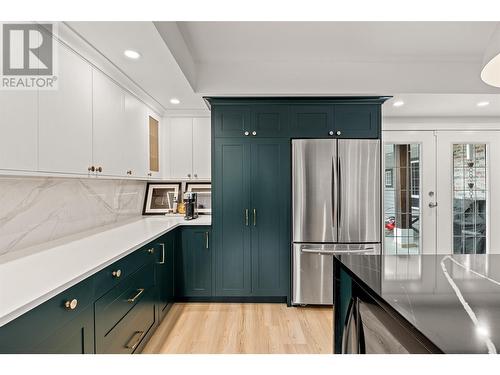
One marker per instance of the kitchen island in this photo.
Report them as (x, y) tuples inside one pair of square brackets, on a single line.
[(417, 304)]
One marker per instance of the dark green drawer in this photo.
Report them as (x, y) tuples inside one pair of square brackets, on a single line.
[(42, 329), (123, 268), (111, 308), (129, 333)]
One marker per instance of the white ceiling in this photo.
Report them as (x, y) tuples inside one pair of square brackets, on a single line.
[(433, 66), (157, 72)]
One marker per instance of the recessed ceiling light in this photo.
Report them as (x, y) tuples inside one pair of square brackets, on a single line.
[(175, 101), (483, 103), (398, 103), (131, 54)]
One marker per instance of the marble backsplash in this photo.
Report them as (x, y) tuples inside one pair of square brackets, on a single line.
[(35, 210)]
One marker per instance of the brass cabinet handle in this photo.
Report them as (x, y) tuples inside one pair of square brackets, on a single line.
[(162, 254), (246, 217), (116, 273), (138, 294), (138, 335), (71, 305), (206, 240), (254, 217)]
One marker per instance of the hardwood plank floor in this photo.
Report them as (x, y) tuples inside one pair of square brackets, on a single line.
[(241, 328)]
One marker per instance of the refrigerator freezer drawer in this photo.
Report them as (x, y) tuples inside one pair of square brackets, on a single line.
[(313, 270)]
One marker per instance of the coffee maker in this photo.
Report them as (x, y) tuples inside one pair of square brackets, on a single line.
[(191, 205)]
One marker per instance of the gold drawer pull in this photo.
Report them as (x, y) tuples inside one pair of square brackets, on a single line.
[(71, 305), (134, 298), (138, 335), (116, 273)]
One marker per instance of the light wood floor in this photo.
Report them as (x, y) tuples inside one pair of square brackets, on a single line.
[(258, 328)]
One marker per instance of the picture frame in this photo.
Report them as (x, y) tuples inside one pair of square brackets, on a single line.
[(204, 191), (161, 198)]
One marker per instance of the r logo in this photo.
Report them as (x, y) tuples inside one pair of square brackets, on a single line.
[(27, 50)]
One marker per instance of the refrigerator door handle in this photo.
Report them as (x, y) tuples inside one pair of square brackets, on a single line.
[(339, 173), (331, 252)]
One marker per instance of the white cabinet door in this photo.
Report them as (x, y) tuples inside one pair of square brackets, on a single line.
[(135, 137), (201, 148), (18, 125), (155, 174), (108, 127), (181, 146), (65, 118)]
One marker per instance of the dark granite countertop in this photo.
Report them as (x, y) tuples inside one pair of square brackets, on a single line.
[(454, 300)]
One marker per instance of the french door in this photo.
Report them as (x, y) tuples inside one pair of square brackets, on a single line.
[(441, 192)]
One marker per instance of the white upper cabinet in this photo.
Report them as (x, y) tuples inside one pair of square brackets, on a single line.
[(65, 118), (181, 146), (135, 138), (201, 148), (19, 135), (188, 142), (109, 127)]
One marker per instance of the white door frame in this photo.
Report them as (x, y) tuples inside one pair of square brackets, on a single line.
[(444, 146), (427, 141)]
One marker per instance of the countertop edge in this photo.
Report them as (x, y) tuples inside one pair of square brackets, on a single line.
[(20, 310)]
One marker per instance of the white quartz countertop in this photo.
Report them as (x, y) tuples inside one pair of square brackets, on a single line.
[(34, 275)]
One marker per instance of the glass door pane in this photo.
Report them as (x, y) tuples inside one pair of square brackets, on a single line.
[(469, 198), (402, 201)]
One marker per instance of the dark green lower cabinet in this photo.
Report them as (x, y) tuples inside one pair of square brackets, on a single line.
[(165, 247), (53, 328), (194, 263)]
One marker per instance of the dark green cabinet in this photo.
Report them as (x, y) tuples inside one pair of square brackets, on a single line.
[(231, 215), (194, 263), (357, 121), (270, 121), (269, 202), (165, 247), (62, 325), (251, 216), (312, 121), (233, 121)]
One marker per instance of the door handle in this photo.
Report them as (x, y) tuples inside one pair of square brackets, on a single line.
[(332, 252), (246, 217), (206, 240), (339, 203), (162, 254), (254, 217), (433, 204), (136, 342), (138, 294)]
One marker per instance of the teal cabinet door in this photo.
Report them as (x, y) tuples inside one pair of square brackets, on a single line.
[(270, 120), (357, 120), (195, 263), (165, 272), (270, 202), (311, 121), (53, 327), (231, 120), (231, 215)]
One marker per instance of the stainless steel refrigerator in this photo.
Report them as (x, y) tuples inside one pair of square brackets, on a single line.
[(336, 208)]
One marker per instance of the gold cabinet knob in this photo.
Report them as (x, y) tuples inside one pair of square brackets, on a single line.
[(71, 305), (116, 273)]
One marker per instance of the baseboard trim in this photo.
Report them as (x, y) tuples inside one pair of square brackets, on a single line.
[(256, 299)]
